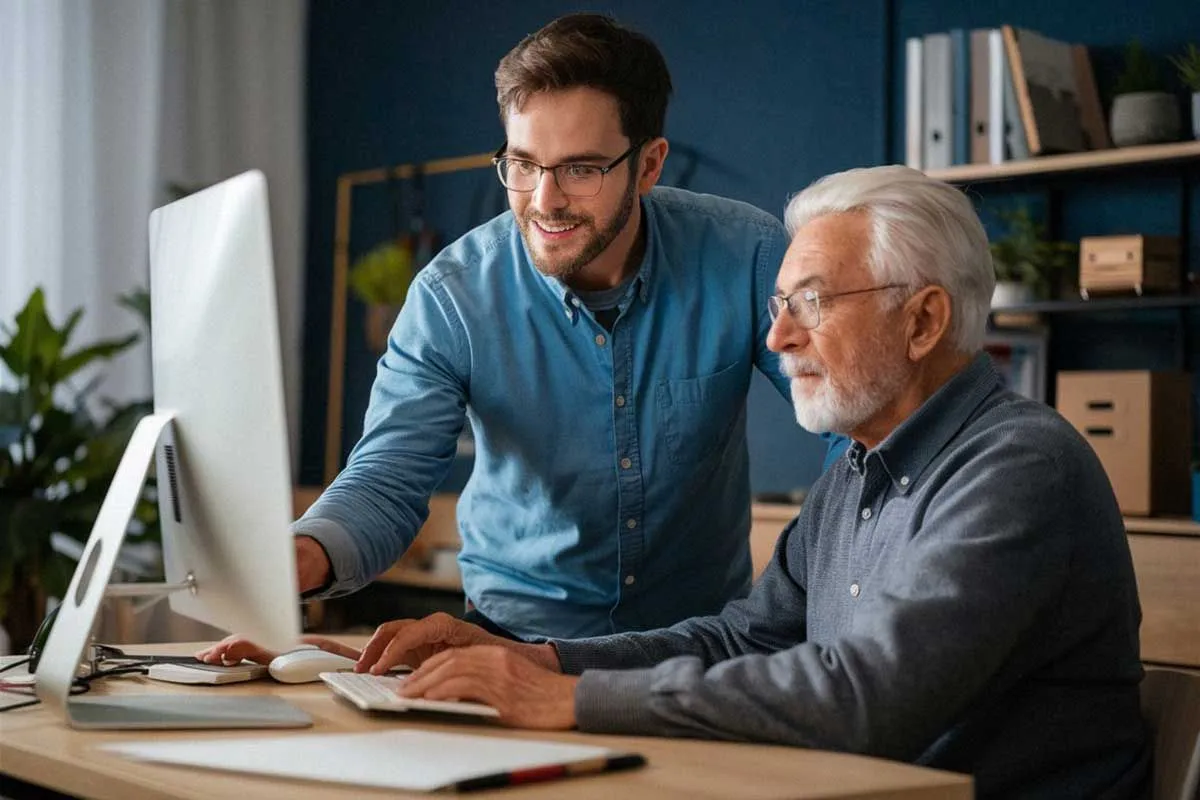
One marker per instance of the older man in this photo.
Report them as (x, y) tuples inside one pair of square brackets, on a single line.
[(957, 591)]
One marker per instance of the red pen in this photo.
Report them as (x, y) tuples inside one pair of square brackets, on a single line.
[(551, 772)]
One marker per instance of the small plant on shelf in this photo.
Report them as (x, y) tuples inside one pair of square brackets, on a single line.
[(380, 278), (1188, 65), (1024, 257), (1143, 111)]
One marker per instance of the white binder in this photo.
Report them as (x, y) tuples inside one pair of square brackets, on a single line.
[(914, 112), (939, 143)]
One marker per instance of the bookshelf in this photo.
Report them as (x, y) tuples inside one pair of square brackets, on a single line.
[(1098, 304), (1090, 161)]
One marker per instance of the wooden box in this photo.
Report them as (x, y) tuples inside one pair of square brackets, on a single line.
[(1140, 425), (1135, 264)]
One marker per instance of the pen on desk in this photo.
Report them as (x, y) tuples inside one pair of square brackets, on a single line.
[(550, 772)]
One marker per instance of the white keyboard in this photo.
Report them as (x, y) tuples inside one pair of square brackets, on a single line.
[(378, 693)]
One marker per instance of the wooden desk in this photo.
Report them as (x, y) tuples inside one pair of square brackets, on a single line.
[(37, 747)]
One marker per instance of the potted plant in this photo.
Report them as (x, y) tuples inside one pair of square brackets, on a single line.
[(1188, 65), (381, 278), (1027, 264), (57, 458), (1143, 111)]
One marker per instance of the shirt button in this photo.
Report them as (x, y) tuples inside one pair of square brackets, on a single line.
[(854, 590), (631, 524), (904, 480), (626, 463), (600, 340), (575, 302), (620, 401), (866, 513), (629, 579)]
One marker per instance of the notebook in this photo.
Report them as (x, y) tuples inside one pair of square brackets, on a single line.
[(408, 760)]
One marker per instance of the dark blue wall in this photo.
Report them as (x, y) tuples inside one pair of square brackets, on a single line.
[(770, 94)]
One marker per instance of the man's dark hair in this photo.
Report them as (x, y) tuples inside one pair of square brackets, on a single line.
[(590, 50)]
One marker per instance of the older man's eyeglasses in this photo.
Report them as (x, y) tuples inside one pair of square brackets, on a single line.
[(804, 305), (574, 180)]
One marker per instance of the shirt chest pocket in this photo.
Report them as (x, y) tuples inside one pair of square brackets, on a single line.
[(699, 413)]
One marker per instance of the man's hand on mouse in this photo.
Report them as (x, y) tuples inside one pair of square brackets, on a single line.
[(233, 649), (394, 643)]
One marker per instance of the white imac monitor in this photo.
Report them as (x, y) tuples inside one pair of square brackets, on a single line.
[(219, 439)]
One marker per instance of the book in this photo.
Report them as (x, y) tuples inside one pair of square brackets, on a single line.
[(980, 97), (1043, 73), (1095, 127), (960, 101)]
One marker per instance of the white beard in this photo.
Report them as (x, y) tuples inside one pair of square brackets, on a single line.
[(822, 407)]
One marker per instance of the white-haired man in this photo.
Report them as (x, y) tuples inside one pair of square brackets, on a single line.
[(957, 591)]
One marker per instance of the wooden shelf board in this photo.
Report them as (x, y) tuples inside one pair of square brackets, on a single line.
[(1070, 162), (1096, 304), (1171, 526)]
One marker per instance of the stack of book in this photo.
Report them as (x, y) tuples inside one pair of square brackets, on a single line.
[(1000, 94)]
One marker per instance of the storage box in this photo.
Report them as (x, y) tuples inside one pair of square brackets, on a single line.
[(1135, 264), (1140, 425)]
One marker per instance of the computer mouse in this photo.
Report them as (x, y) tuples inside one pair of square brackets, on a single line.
[(306, 666)]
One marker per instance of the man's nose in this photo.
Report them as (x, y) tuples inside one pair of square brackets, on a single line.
[(547, 195), (785, 334)]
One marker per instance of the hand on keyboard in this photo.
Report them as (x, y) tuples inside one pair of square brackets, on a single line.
[(409, 641)]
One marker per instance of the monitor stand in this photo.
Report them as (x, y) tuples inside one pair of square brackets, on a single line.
[(68, 639)]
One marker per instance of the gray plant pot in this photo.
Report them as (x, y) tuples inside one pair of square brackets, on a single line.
[(1144, 118), (1196, 115)]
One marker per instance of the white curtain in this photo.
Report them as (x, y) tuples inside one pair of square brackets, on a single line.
[(103, 104)]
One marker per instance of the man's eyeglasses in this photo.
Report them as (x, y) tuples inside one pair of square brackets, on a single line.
[(804, 305), (574, 180)]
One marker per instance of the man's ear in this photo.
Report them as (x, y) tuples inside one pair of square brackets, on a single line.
[(650, 163), (928, 315)]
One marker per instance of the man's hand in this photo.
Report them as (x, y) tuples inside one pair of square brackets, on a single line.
[(312, 563), (526, 694), (232, 649), (412, 642)]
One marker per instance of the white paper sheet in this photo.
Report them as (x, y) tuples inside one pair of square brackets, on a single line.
[(409, 759)]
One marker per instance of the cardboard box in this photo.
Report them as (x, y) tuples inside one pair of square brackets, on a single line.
[(1140, 425), (1135, 264)]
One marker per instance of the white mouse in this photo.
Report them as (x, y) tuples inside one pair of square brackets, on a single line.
[(306, 666)]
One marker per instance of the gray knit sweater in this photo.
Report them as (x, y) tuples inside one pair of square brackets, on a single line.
[(961, 597)]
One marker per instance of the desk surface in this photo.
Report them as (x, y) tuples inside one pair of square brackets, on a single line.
[(37, 747)]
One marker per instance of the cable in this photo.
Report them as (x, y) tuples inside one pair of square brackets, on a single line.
[(78, 686), (21, 663)]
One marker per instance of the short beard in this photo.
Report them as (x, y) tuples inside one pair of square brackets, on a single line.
[(846, 407), (596, 245)]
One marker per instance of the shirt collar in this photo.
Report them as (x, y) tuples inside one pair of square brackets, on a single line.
[(909, 449)]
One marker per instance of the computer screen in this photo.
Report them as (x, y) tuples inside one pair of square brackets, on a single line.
[(218, 437)]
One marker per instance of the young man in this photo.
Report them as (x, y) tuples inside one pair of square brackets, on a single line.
[(599, 338), (957, 591)]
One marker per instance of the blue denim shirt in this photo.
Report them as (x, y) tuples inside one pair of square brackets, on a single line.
[(611, 483)]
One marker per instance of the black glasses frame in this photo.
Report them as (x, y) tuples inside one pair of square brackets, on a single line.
[(501, 160)]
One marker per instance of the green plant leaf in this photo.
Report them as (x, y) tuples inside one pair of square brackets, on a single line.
[(382, 276), (1024, 255), (71, 364), (1140, 72), (1188, 65)]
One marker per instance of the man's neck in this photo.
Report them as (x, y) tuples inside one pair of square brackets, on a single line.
[(931, 374), (619, 260)]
